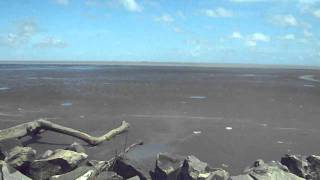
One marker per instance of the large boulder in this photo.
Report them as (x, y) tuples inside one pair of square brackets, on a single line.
[(128, 168), (9, 173), (314, 166), (168, 166), (60, 162), (194, 169), (267, 171), (296, 164), (20, 158), (92, 170), (76, 147)]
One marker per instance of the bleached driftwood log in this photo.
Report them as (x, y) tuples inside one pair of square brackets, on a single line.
[(35, 127)]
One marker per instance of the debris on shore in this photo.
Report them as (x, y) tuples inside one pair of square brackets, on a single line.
[(72, 163)]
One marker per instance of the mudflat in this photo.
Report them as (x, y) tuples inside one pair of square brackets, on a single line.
[(227, 117)]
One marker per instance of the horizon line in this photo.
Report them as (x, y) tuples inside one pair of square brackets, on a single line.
[(160, 63)]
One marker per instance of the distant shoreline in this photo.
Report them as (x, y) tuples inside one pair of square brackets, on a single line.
[(164, 64)]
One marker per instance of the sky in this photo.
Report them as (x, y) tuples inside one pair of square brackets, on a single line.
[(199, 31)]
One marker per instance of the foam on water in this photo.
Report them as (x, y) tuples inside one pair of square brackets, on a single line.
[(66, 104), (197, 97), (4, 88), (308, 85), (228, 128), (197, 132), (309, 78)]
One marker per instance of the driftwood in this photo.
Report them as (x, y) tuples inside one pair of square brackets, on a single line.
[(35, 127)]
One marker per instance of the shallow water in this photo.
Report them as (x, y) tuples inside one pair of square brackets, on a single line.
[(222, 116)]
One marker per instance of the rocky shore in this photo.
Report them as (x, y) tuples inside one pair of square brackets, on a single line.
[(72, 163)]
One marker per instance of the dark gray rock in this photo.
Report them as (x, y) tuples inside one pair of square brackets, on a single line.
[(9, 173), (296, 164), (108, 175), (314, 166), (20, 158), (128, 168), (194, 169), (60, 162), (2, 156), (76, 147), (168, 167)]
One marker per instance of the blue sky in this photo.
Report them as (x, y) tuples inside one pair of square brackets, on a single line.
[(208, 31)]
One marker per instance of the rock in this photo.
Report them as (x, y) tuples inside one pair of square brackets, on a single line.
[(82, 172), (76, 147), (108, 175), (60, 162), (128, 168), (9, 173), (46, 154), (296, 165), (194, 169), (134, 178), (167, 166), (216, 174), (20, 158), (87, 173), (91, 171), (2, 156), (268, 171), (242, 177), (314, 166)]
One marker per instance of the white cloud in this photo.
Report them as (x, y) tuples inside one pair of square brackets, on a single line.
[(259, 37), (218, 12), (284, 20), (23, 33), (50, 42), (251, 39), (307, 33), (62, 2), (131, 5), (289, 37), (236, 35), (316, 13), (166, 18)]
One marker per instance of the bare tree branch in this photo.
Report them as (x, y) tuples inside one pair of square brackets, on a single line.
[(35, 127)]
